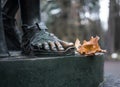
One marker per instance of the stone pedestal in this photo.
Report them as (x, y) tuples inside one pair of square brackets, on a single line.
[(66, 71)]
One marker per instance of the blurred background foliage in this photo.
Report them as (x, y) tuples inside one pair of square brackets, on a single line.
[(71, 19)]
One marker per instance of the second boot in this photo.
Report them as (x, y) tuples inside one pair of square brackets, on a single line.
[(9, 23)]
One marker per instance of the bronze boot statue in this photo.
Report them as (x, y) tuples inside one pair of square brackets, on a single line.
[(3, 47), (36, 39), (10, 8)]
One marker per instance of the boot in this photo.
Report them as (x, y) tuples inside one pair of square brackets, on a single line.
[(36, 39)]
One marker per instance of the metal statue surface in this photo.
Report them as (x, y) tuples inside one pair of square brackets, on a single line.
[(36, 39)]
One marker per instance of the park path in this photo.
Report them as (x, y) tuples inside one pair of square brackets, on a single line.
[(112, 67), (111, 74)]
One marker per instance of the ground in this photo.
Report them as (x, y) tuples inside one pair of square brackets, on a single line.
[(111, 74)]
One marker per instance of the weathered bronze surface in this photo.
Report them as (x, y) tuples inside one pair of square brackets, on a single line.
[(66, 71), (11, 32), (35, 37), (3, 47), (37, 40)]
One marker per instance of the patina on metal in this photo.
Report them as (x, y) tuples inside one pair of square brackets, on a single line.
[(36, 40), (3, 47), (12, 35), (35, 37)]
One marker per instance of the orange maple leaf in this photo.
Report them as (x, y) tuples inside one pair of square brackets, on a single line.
[(89, 47)]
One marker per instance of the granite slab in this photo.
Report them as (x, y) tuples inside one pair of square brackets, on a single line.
[(63, 71)]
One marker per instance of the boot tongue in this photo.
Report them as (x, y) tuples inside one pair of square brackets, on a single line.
[(41, 26), (36, 26), (30, 31)]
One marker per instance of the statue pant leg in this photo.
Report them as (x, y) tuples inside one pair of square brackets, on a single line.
[(36, 40), (3, 47), (10, 7), (30, 11), (12, 32)]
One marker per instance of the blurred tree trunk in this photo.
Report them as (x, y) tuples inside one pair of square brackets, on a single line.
[(67, 25), (117, 26), (70, 19), (74, 21), (61, 24), (113, 42)]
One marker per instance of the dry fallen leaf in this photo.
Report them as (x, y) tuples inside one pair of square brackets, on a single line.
[(89, 47), (77, 44)]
